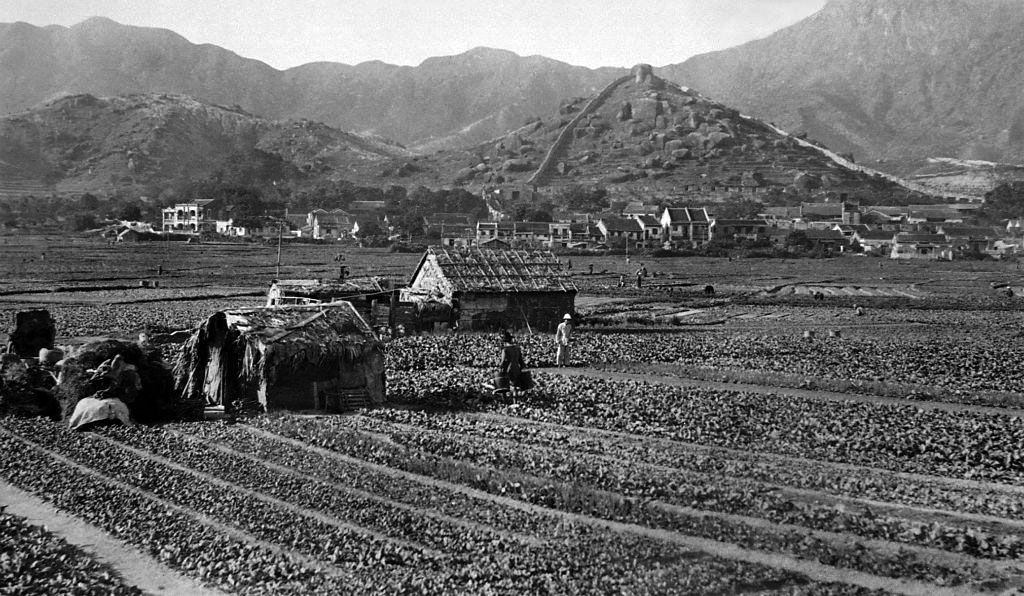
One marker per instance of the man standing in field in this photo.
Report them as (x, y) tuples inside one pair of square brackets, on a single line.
[(562, 335)]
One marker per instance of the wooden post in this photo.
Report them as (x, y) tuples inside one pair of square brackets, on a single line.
[(279, 232)]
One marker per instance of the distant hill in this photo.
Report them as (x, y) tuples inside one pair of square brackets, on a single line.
[(445, 101), (82, 142), (893, 80), (646, 136)]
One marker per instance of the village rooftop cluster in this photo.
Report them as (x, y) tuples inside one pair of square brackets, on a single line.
[(941, 231)]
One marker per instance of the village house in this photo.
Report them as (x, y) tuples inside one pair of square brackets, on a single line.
[(435, 223), (494, 289), (192, 217), (330, 225), (826, 240), (909, 245), (620, 231), (321, 357), (739, 229), (458, 235), (651, 230), (635, 209), (970, 239), (878, 242), (685, 226)]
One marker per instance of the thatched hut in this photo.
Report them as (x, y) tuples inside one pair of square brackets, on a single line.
[(316, 357), (488, 289)]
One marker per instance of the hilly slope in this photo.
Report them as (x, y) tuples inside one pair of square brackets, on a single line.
[(893, 80), (82, 142), (645, 136), (445, 101)]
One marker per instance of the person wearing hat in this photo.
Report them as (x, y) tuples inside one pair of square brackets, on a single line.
[(562, 336)]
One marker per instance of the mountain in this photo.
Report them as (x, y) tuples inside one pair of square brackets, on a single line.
[(644, 136), (445, 101), (892, 81), (81, 142)]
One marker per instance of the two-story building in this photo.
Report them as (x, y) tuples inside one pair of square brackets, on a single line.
[(685, 226), (189, 217)]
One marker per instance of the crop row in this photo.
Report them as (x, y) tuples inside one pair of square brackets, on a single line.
[(613, 506), (505, 567), (686, 488), (346, 549), (579, 550), (166, 534), (862, 483), (962, 367), (35, 561)]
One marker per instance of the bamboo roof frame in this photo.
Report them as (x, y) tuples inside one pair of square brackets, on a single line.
[(483, 269)]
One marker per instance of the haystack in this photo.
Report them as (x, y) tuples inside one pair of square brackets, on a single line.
[(315, 357), (124, 371)]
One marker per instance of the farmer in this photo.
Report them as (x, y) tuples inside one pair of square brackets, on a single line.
[(512, 364), (562, 338), (639, 277)]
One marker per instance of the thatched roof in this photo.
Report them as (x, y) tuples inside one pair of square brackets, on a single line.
[(492, 270), (277, 338), (326, 289)]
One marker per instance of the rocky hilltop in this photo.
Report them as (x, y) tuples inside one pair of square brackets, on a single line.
[(82, 142), (898, 81), (645, 135)]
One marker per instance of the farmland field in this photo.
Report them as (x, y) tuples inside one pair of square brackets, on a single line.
[(752, 441)]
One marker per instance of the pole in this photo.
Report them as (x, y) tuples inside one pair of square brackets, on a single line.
[(279, 232)]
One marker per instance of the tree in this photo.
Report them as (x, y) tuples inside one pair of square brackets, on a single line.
[(583, 198), (1004, 201)]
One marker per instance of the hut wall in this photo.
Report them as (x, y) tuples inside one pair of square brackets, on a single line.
[(489, 311)]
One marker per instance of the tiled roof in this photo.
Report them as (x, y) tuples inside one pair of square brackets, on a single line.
[(687, 214)]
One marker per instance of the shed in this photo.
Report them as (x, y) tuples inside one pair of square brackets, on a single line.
[(492, 289), (316, 357), (371, 296)]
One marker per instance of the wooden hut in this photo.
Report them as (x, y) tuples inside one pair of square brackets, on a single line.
[(491, 289), (371, 296), (316, 357)]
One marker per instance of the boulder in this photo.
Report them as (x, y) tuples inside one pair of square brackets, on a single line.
[(465, 174), (618, 178), (645, 148), (643, 74), (680, 154), (646, 109), (673, 145), (625, 112), (693, 139), (516, 165), (719, 139)]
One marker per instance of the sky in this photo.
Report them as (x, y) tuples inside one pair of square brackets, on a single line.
[(592, 33)]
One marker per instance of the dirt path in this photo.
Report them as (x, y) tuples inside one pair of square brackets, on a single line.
[(134, 566), (812, 569), (672, 381)]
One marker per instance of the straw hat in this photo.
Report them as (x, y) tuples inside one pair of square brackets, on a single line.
[(567, 317)]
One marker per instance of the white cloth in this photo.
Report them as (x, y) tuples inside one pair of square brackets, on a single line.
[(91, 409), (563, 333)]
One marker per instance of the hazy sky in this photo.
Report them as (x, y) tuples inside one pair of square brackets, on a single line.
[(285, 33)]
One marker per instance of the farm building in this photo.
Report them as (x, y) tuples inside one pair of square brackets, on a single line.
[(370, 296), (492, 289), (318, 357)]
